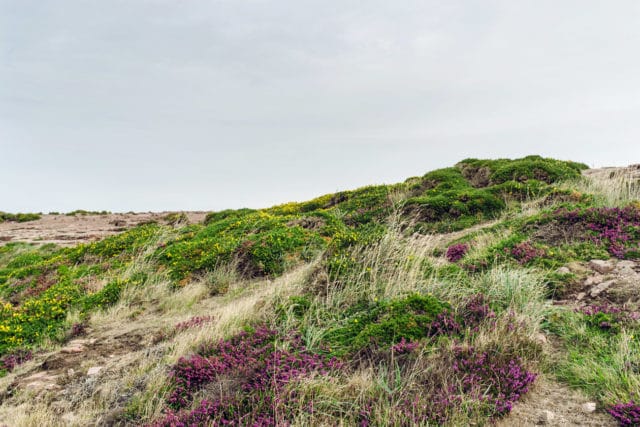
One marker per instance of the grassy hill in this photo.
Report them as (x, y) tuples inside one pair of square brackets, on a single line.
[(442, 300)]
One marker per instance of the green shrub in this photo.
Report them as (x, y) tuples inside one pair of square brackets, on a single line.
[(227, 214), (381, 324), (527, 168), (83, 212), (19, 217)]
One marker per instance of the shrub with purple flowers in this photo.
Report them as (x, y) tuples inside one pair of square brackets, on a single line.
[(627, 414), (404, 346), (11, 360), (258, 369), (525, 252), (456, 252), (616, 228), (492, 378), (194, 322), (608, 317), (475, 311), (486, 382), (78, 329)]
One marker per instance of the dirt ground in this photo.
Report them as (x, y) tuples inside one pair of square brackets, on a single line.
[(66, 230), (553, 404)]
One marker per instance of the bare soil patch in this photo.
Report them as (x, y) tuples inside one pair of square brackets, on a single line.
[(64, 230)]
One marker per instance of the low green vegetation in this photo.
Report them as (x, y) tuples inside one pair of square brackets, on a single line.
[(393, 323), (19, 217), (83, 212), (601, 351)]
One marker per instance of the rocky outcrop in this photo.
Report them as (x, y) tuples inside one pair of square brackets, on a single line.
[(615, 281)]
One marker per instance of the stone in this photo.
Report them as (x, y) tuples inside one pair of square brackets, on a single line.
[(598, 289), (581, 296), (546, 417), (563, 270), (589, 407), (601, 266), (594, 280), (94, 370), (71, 349), (625, 271), (626, 264), (40, 381)]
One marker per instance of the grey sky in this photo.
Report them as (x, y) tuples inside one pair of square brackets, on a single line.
[(153, 105)]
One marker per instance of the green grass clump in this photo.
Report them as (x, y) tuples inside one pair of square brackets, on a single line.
[(601, 355)]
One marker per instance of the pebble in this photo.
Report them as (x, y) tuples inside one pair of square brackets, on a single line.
[(546, 417)]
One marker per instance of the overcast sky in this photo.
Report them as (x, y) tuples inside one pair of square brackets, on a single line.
[(184, 105)]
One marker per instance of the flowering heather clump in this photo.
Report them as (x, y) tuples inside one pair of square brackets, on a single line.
[(11, 360), (618, 228), (475, 311), (456, 252), (492, 383), (212, 360), (608, 317), (78, 329), (404, 346), (260, 370), (445, 323), (221, 412), (525, 252), (627, 414), (497, 381), (194, 322)]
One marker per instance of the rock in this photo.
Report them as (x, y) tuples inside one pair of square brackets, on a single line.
[(546, 417), (94, 370), (589, 407), (563, 270), (626, 264), (70, 349), (625, 271), (594, 280), (597, 290), (601, 266), (77, 346), (40, 381), (581, 296)]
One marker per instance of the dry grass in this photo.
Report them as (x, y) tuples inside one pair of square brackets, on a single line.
[(149, 309), (612, 187)]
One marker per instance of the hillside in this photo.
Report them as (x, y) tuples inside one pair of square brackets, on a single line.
[(494, 291)]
